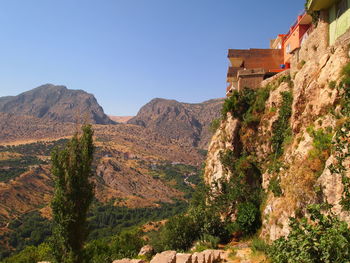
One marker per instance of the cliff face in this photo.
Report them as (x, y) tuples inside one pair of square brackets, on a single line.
[(300, 174), (187, 123), (56, 103)]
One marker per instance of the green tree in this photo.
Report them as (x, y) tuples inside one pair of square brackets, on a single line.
[(73, 195)]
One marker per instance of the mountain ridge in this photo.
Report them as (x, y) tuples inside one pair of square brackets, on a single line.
[(56, 103), (186, 122)]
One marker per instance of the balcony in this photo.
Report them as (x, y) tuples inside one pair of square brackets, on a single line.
[(317, 5)]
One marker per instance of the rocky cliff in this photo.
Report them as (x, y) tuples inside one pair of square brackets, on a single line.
[(184, 122), (56, 103), (299, 137)]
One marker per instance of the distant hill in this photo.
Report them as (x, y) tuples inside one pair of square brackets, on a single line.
[(56, 103), (120, 119), (184, 122)]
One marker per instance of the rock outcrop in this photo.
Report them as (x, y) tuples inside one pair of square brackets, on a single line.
[(304, 179), (170, 256)]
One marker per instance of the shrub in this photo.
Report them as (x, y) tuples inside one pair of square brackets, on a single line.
[(332, 84), (179, 233), (275, 187), (280, 128), (214, 125), (322, 239), (207, 242), (127, 244), (259, 245), (248, 218), (238, 103), (322, 143)]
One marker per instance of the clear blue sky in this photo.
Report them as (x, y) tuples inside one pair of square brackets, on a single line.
[(127, 52)]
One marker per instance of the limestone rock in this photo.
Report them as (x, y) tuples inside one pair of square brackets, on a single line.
[(200, 256), (165, 257), (146, 250), (183, 258), (127, 260)]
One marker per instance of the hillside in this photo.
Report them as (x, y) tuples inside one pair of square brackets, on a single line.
[(56, 103), (184, 122)]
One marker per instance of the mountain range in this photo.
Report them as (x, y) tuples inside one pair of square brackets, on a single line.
[(145, 162)]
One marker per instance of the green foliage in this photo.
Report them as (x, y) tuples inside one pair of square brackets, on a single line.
[(214, 125), (178, 234), (332, 84), (324, 239), (238, 103), (106, 219), (247, 105), (242, 190), (178, 173), (248, 218), (342, 138), (253, 114), (37, 148), (12, 168), (207, 242), (259, 245), (314, 14), (29, 230), (73, 195), (275, 187), (286, 79), (322, 143), (127, 244), (280, 128), (32, 254)]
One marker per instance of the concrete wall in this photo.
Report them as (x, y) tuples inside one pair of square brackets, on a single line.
[(338, 25)]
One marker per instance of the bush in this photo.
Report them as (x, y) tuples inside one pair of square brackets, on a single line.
[(248, 218), (239, 103), (280, 128), (275, 187), (179, 233), (259, 245), (31, 254), (322, 143), (207, 242), (214, 125), (324, 239)]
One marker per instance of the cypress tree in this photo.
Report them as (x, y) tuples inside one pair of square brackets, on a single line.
[(74, 192)]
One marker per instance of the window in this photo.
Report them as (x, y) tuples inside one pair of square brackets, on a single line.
[(341, 7), (288, 48)]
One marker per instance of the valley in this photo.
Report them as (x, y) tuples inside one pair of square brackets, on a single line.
[(136, 167)]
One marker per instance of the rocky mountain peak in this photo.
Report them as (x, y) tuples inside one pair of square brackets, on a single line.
[(185, 122), (56, 103)]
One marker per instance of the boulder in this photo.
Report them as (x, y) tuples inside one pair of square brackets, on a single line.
[(208, 255), (215, 255), (147, 250), (183, 258), (127, 260), (165, 257), (194, 258), (200, 257)]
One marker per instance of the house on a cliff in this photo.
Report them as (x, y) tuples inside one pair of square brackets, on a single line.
[(336, 12), (251, 66)]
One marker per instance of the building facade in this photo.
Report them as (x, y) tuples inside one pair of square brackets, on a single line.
[(338, 16)]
